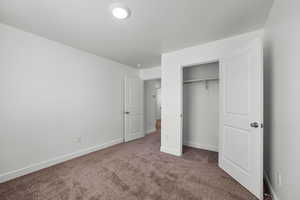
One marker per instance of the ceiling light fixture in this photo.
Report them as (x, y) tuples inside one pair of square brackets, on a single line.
[(120, 11)]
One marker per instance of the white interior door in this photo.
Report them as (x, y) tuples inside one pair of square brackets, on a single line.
[(241, 130), (133, 108)]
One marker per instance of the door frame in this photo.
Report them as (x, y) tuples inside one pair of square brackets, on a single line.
[(201, 62)]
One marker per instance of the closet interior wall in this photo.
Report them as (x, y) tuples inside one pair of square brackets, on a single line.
[(201, 106)]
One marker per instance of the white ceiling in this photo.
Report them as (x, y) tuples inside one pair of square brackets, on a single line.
[(155, 26)]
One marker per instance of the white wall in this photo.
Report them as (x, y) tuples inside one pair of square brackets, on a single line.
[(171, 140), (150, 87), (150, 73), (282, 97), (56, 102), (158, 103), (201, 107)]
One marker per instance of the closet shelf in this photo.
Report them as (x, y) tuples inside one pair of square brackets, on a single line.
[(199, 80)]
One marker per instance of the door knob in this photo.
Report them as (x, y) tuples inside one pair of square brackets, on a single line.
[(254, 124), (126, 112)]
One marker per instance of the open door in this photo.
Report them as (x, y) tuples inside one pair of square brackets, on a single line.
[(133, 108), (241, 121)]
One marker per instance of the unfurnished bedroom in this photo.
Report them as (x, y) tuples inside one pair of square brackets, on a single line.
[(149, 100)]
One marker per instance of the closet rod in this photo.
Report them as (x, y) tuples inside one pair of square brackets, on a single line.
[(199, 80)]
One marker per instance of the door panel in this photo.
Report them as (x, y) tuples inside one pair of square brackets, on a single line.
[(133, 107), (237, 150), (237, 85), (241, 145)]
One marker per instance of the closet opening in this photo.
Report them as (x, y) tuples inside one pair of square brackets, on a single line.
[(200, 123)]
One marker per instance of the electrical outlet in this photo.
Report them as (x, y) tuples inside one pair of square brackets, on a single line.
[(279, 178), (78, 140)]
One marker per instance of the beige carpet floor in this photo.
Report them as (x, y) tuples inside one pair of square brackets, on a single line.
[(135, 170)]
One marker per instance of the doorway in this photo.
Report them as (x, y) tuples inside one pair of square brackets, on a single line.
[(133, 108), (201, 106), (152, 105)]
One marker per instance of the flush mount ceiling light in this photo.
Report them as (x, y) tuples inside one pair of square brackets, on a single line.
[(120, 11)]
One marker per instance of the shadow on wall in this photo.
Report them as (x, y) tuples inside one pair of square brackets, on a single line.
[(268, 115)]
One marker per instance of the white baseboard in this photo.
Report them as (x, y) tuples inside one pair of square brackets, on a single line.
[(201, 146), (274, 195), (134, 137), (172, 151), (38, 166), (150, 131)]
